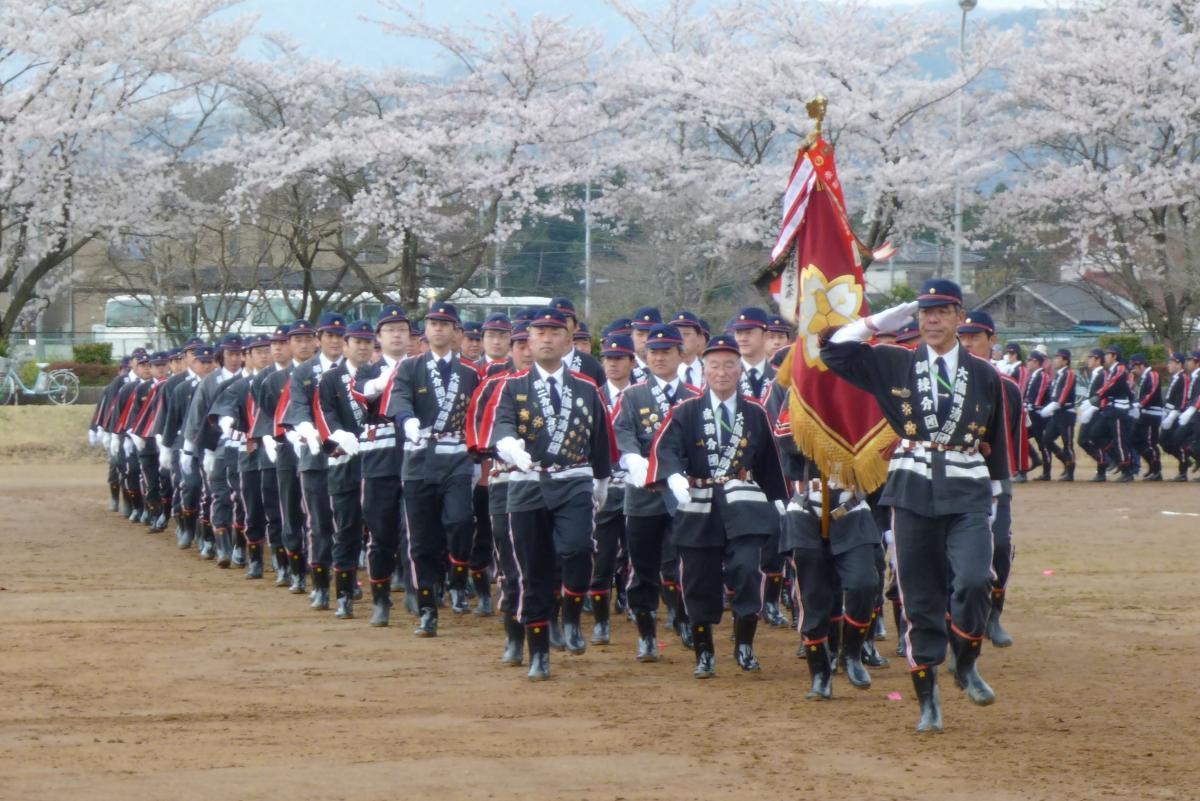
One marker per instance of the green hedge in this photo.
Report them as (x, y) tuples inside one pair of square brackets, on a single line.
[(90, 375), (92, 353)]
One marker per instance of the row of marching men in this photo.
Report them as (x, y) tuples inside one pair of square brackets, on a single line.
[(651, 477), (1126, 411)]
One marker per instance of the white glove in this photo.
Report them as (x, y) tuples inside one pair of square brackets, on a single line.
[(165, 456), (93, 437), (308, 432), (599, 491), (114, 446), (637, 466), (1186, 415), (127, 446), (779, 507), (997, 488), (1135, 411), (1049, 409), (679, 488), (345, 440), (512, 450), (104, 439), (1169, 420), (186, 464), (271, 447), (158, 440), (210, 460), (374, 388), (138, 442), (1086, 410), (992, 512), (226, 425), (412, 430), (895, 318), (476, 473)]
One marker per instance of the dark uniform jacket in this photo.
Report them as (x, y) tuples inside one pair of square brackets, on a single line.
[(339, 406), (1149, 393), (760, 390), (236, 401), (302, 391), (199, 428), (587, 364), (418, 393), (382, 456), (1177, 391), (1113, 395), (175, 412), (1062, 392), (272, 395), (733, 486), (934, 470), (1037, 390), (640, 413)]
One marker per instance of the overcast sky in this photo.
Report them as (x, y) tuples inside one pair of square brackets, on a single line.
[(334, 30)]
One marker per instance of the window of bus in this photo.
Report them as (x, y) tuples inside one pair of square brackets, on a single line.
[(272, 313), (224, 308), (129, 313)]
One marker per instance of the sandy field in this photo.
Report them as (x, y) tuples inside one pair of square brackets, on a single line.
[(134, 670)]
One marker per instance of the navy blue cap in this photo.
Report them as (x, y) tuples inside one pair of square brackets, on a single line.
[(1096, 352), (301, 328), (1114, 350), (646, 318), (1195, 355), (617, 345), (230, 342), (192, 344), (1138, 358), (1063, 353), (1013, 347), (581, 333), (280, 334), (564, 305), (1037, 356), (525, 315), (686, 319), (443, 311), (777, 325), (939, 292), (256, 341), (359, 329), (205, 353), (722, 343), (908, 332), (331, 322), (391, 314), (977, 322), (125, 361), (749, 318), (473, 330), (705, 328), (520, 331), (174, 353), (497, 321), (621, 325), (664, 336), (139, 357), (548, 318)]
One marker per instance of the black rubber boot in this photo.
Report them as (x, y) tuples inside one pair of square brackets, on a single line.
[(514, 641), (428, 625), (1068, 473), (925, 683), (237, 549), (458, 590), (208, 542), (743, 648), (647, 648), (397, 579), (1101, 474), (187, 530), (556, 633), (381, 603), (114, 504), (601, 633), (853, 637), (344, 583), (224, 548), (297, 571), (771, 613), (254, 560), (966, 676), (538, 636), (706, 659), (282, 573), (683, 626), (483, 591), (898, 617), (834, 643), (320, 593), (995, 630), (572, 626), (818, 667)]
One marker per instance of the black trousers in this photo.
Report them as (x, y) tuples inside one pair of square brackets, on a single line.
[(251, 498), (1059, 436), (439, 524), (706, 572), (942, 562), (480, 558), (131, 471), (646, 535), (268, 495), (835, 586), (1112, 437), (191, 490), (1037, 433), (233, 478), (1145, 439), (508, 575), (608, 536), (545, 540), (1002, 545), (151, 485), (291, 510), (347, 519), (318, 517), (382, 509)]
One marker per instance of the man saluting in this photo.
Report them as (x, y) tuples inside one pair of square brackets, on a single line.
[(942, 482)]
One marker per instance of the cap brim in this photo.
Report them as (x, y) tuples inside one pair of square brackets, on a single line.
[(975, 329)]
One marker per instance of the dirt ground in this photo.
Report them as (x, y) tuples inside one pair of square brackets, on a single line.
[(133, 670)]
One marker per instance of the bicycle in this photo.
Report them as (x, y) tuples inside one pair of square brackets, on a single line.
[(60, 387)]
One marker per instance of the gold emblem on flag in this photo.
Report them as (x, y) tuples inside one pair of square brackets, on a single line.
[(824, 304)]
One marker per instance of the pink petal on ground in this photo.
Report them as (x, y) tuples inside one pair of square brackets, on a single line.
[(893, 696), (1047, 572)]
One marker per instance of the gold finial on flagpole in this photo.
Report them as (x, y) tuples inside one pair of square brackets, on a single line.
[(816, 109)]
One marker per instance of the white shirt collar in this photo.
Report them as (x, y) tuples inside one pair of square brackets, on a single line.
[(612, 390), (730, 404), (951, 360), (226, 374), (326, 364), (388, 361), (761, 367), (557, 374), (673, 383)]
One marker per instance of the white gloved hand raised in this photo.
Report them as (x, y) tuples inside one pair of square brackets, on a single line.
[(271, 447), (599, 492), (210, 460), (165, 457), (512, 450), (138, 442), (226, 425), (412, 430), (679, 488), (637, 466), (885, 322), (345, 440)]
